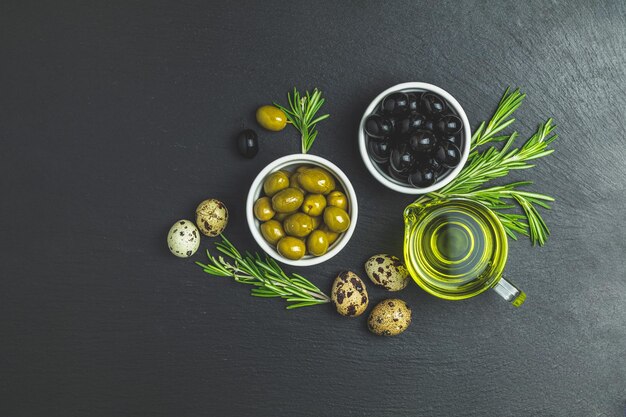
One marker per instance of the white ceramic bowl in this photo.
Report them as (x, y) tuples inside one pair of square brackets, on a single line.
[(383, 177), (291, 162)]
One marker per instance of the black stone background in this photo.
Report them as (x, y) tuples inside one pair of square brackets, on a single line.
[(117, 118)]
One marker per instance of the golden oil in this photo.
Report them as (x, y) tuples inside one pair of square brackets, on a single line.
[(454, 248)]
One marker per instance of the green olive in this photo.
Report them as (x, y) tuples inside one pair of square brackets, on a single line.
[(291, 247), (263, 209), (317, 181), (332, 236), (338, 199), (282, 216), (289, 199), (293, 181), (336, 219), (314, 204), (303, 168), (298, 224), (317, 243), (271, 118), (272, 231), (317, 221), (275, 182)]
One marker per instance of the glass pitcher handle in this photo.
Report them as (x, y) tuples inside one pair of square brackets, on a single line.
[(410, 213), (510, 292)]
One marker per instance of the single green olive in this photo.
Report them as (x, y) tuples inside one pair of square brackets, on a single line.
[(332, 236), (282, 216), (336, 219), (303, 168), (272, 231), (289, 199), (271, 118), (291, 247), (314, 204), (293, 181), (317, 221), (317, 181), (263, 209), (298, 224), (337, 199), (317, 243), (275, 182)]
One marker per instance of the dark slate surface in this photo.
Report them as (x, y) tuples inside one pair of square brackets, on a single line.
[(116, 120)]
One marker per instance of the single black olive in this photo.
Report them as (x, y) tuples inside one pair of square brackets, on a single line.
[(414, 101), (449, 125), (454, 139), (448, 154), (379, 150), (435, 165), (432, 104), (401, 159), (410, 124), (422, 141), (398, 176), (377, 127), (428, 125), (248, 143), (423, 177), (395, 103), (402, 126)]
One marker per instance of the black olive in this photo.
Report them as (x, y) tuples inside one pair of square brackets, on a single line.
[(449, 125), (398, 176), (402, 126), (432, 104), (428, 125), (410, 124), (248, 143), (395, 103), (401, 159), (435, 165), (448, 154), (454, 139), (414, 101), (423, 177), (379, 150), (377, 127), (422, 141)]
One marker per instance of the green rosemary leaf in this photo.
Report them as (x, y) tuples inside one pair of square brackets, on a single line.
[(492, 163), (301, 114), (268, 278)]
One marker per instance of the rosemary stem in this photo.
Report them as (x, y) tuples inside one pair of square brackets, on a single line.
[(268, 279), (492, 163)]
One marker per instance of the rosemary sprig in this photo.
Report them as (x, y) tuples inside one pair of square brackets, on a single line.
[(301, 113), (492, 163), (265, 275)]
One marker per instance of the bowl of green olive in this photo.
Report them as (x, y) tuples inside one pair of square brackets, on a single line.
[(301, 209)]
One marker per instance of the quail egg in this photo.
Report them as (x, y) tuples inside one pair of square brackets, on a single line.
[(211, 217), (349, 294), (387, 271), (389, 317), (183, 239)]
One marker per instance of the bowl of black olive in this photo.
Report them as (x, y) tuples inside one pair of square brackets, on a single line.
[(414, 138)]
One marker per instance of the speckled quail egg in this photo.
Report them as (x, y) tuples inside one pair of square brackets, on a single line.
[(349, 294), (183, 239), (387, 271), (211, 217), (389, 317)]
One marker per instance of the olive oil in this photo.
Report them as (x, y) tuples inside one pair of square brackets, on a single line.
[(454, 248)]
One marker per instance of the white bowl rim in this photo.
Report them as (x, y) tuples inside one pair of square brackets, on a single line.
[(407, 87), (282, 162)]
